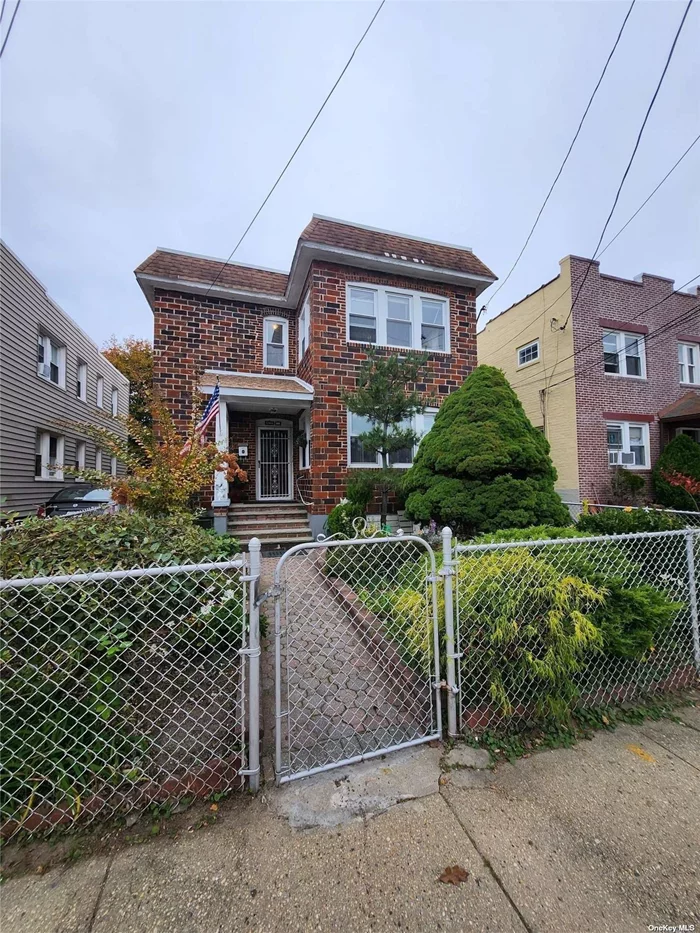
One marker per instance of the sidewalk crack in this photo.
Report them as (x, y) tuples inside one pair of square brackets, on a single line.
[(671, 751), (100, 892)]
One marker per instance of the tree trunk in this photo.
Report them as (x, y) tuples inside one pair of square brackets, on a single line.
[(385, 493)]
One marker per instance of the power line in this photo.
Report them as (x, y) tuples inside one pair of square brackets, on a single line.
[(568, 153), (631, 158), (298, 147), (591, 343), (9, 28), (2, 11)]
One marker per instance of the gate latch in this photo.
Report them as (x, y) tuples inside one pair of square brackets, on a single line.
[(272, 593), (443, 685)]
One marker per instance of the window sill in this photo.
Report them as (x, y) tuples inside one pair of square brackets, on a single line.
[(690, 385), (627, 466), (50, 382), (391, 346), (377, 466), (626, 376), (49, 479)]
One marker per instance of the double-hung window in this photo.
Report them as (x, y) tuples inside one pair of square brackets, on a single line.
[(530, 353), (100, 390), (98, 460), (80, 447), (276, 343), (391, 317), (628, 444), (688, 361), (358, 456), (304, 328), (115, 402), (48, 459), (81, 381), (113, 466), (51, 360), (623, 354)]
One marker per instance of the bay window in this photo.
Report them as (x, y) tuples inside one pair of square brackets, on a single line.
[(623, 354), (359, 457), (688, 357), (628, 444), (276, 343), (391, 317)]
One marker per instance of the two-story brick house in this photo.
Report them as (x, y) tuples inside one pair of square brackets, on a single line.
[(610, 376), (284, 345)]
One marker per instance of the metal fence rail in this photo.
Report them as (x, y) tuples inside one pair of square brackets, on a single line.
[(356, 635), (122, 690), (546, 625), (688, 518)]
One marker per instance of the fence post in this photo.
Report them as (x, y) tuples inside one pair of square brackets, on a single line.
[(693, 592), (254, 655), (447, 573)]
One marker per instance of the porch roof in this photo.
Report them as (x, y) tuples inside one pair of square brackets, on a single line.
[(686, 407), (258, 387)]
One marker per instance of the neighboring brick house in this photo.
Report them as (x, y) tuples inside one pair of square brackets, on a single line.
[(284, 346), (615, 384)]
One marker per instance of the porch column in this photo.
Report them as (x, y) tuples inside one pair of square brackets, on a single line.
[(221, 501)]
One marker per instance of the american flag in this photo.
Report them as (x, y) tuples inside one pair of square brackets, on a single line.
[(210, 412)]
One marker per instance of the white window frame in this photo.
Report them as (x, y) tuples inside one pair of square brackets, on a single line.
[(523, 349), (43, 442), (98, 460), (100, 392), (285, 340), (113, 466), (81, 381), (43, 369), (80, 451), (305, 451), (624, 427), (620, 337), (381, 304), (419, 426), (684, 365), (304, 328), (115, 402)]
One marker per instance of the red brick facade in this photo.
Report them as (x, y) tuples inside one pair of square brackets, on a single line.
[(606, 303)]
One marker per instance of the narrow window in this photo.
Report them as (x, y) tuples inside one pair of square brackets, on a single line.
[(275, 349), (614, 443), (115, 402), (688, 356), (530, 353), (636, 445), (305, 441), (432, 334), (363, 315), (80, 455), (38, 456), (399, 330), (100, 392), (81, 381), (358, 454), (304, 328), (612, 363), (98, 460), (113, 466), (633, 355)]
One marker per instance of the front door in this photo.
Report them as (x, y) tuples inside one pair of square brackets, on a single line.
[(274, 475)]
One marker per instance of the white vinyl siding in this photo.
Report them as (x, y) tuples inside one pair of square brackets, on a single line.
[(276, 343), (688, 360), (628, 444), (400, 318), (530, 353), (49, 452), (359, 457), (623, 354)]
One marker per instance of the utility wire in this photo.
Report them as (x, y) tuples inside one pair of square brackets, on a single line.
[(631, 158), (566, 157), (646, 201), (298, 147), (9, 28), (2, 11)]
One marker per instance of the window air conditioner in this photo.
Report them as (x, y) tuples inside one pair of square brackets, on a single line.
[(627, 459)]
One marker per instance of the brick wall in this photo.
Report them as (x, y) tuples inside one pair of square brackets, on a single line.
[(609, 299)]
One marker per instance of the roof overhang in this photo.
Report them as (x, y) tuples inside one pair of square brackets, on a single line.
[(686, 409), (295, 395), (306, 252)]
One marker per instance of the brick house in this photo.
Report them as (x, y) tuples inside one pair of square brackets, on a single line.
[(615, 384), (283, 346)]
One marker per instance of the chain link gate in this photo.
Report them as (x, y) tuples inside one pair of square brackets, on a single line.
[(356, 652)]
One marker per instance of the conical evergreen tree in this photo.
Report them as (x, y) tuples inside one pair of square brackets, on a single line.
[(483, 466)]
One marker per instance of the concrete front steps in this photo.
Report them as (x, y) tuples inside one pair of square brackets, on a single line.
[(276, 524)]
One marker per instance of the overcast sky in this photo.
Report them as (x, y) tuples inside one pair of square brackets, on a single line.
[(127, 126)]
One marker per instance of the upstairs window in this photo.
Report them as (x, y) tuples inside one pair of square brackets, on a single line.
[(81, 381), (628, 444), (530, 353), (276, 340), (115, 402), (48, 456), (688, 357), (390, 317), (51, 360), (304, 328), (623, 354), (100, 392)]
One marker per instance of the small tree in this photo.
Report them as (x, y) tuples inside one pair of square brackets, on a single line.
[(681, 456), (165, 474), (483, 466), (383, 398), (134, 359)]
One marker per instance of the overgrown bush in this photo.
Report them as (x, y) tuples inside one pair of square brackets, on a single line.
[(682, 455), (340, 519), (483, 466), (627, 521), (360, 488), (627, 488), (78, 658)]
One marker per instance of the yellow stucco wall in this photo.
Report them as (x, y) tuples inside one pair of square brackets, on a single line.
[(497, 345)]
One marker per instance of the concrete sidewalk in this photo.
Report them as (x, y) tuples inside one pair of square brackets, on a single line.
[(604, 836)]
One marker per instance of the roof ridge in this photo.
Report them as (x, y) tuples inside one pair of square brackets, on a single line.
[(403, 236)]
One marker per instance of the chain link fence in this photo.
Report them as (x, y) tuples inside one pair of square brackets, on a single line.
[(545, 626), (121, 690), (356, 652)]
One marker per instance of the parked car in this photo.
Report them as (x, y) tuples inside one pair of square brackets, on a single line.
[(76, 499)]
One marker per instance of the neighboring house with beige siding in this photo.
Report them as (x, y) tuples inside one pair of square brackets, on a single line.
[(50, 371), (610, 376)]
